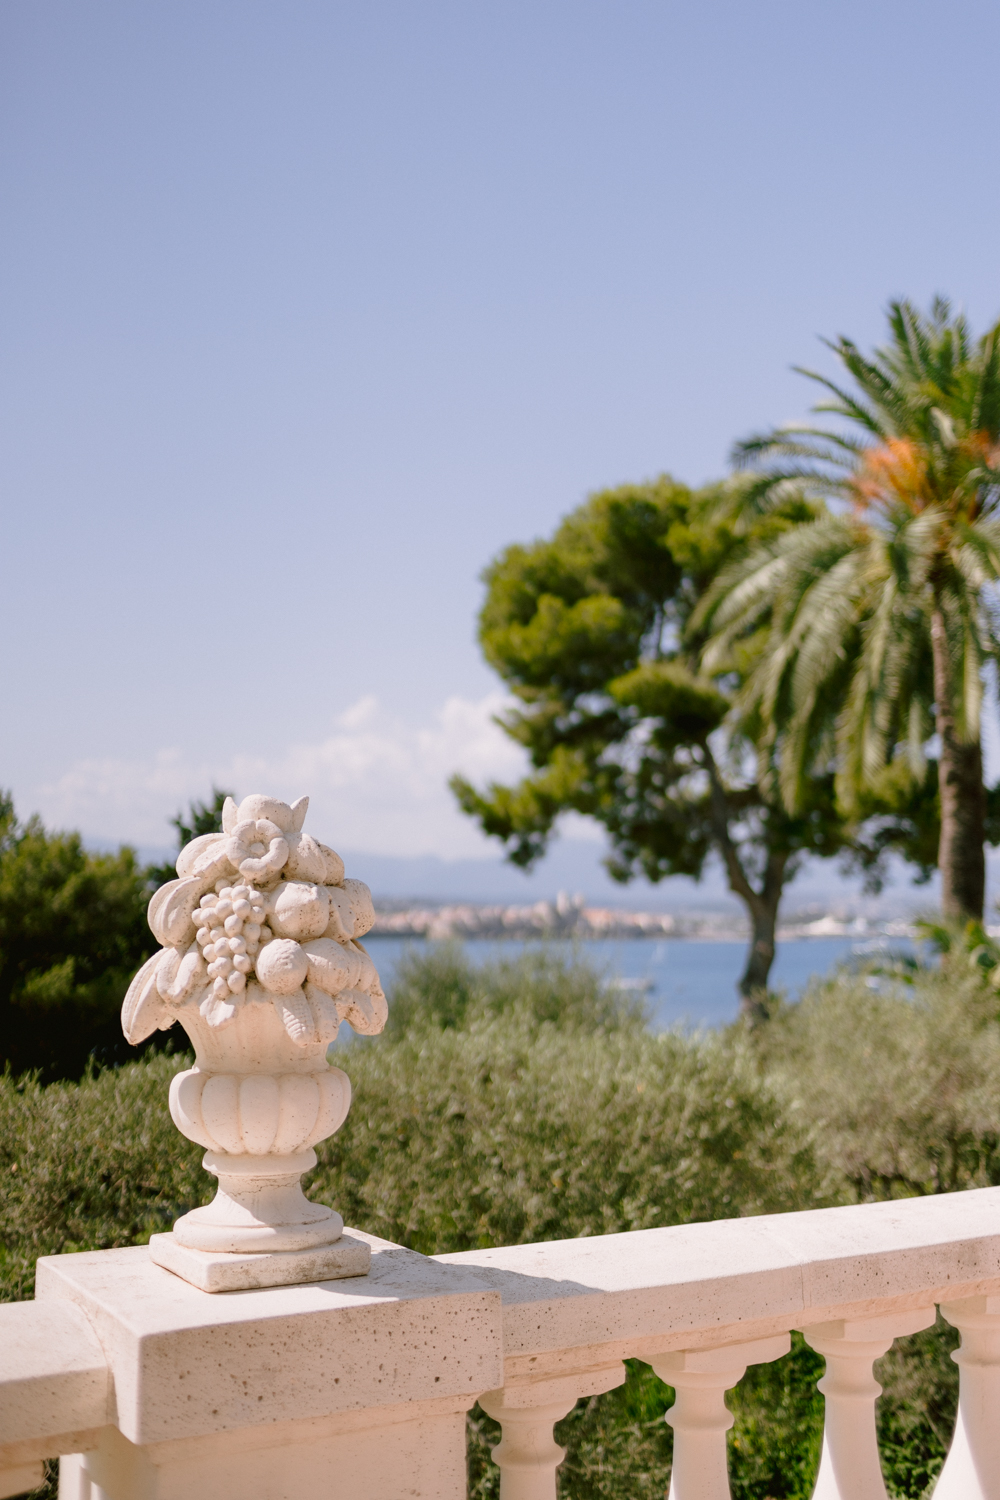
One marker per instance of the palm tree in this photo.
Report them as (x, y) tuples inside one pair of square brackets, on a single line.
[(871, 626)]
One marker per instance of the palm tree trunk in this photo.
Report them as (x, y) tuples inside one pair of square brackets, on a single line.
[(963, 799)]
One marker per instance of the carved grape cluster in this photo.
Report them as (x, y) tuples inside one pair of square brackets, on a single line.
[(231, 924)]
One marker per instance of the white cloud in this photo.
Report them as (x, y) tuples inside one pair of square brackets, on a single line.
[(375, 783)]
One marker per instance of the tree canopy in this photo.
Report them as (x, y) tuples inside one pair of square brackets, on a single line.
[(874, 622), (592, 631), (72, 933)]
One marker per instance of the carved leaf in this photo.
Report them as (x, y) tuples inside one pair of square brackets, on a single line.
[(213, 862), (180, 974), (170, 909), (218, 1013), (193, 854), (367, 1014), (142, 1009)]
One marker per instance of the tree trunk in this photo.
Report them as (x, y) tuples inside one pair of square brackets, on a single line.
[(963, 799), (762, 906), (760, 956)]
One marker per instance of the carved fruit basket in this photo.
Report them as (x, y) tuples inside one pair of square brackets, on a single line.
[(261, 963)]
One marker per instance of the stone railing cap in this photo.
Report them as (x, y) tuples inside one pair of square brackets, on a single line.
[(732, 1272)]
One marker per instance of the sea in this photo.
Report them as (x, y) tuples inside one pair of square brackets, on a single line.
[(682, 981)]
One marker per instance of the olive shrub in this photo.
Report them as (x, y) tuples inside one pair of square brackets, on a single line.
[(524, 1101)]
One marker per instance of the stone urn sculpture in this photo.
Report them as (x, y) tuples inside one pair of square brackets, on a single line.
[(261, 963)]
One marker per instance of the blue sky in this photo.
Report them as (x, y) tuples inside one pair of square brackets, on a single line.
[(308, 308)]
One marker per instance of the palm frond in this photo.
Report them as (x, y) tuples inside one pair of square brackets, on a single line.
[(834, 624), (846, 405), (838, 440)]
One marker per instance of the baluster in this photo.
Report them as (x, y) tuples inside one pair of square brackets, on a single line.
[(75, 1482), (527, 1454), (972, 1468), (700, 1417), (849, 1468)]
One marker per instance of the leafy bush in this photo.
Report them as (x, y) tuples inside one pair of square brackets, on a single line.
[(439, 987), (72, 932), (511, 1128), (523, 1101), (90, 1166), (916, 1412), (900, 1076)]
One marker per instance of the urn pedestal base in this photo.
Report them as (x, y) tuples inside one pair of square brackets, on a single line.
[(223, 1271), (259, 1208)]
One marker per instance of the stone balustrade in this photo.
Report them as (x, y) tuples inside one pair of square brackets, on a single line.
[(155, 1389)]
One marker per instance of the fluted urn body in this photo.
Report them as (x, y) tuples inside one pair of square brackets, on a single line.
[(259, 1103), (261, 963)]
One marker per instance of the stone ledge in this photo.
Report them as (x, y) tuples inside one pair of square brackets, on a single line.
[(653, 1289), (53, 1377), (187, 1364)]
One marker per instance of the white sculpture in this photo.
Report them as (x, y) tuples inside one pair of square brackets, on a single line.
[(261, 962)]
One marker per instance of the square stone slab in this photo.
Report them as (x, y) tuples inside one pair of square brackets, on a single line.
[(220, 1271), (186, 1364)]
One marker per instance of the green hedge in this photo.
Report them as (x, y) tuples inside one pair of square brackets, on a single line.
[(521, 1102)]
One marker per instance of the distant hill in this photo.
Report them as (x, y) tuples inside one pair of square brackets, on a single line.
[(574, 865)]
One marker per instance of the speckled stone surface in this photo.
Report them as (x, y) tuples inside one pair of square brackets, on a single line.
[(185, 1364), (692, 1285)]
